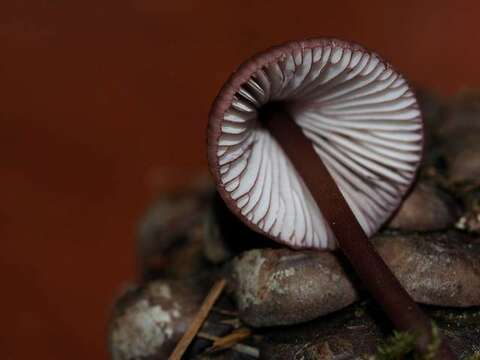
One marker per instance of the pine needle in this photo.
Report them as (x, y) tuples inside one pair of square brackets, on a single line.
[(198, 320), (230, 339)]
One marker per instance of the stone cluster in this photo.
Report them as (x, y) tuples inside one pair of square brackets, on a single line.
[(432, 244)]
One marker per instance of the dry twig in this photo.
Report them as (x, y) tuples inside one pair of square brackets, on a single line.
[(240, 348), (230, 339), (198, 320), (235, 323), (225, 311)]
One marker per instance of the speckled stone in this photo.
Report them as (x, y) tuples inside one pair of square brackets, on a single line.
[(427, 208), (437, 269), (147, 322), (280, 287), (470, 219), (357, 331)]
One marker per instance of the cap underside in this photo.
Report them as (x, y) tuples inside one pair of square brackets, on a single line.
[(361, 117)]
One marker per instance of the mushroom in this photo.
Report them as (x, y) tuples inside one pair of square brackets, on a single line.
[(315, 144)]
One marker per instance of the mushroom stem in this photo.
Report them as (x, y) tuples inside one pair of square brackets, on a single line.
[(382, 284)]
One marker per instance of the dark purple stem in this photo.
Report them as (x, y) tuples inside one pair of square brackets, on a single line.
[(372, 270)]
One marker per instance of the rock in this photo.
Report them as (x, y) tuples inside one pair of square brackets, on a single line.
[(282, 286), (279, 287), (427, 208), (431, 107), (357, 331), (170, 235), (458, 131), (462, 159), (348, 334), (149, 321), (470, 220), (461, 116), (451, 146), (225, 236), (215, 247), (437, 269)]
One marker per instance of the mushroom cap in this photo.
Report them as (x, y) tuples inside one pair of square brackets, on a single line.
[(360, 115)]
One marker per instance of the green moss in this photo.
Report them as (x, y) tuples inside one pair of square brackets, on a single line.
[(433, 347), (397, 347), (402, 346), (475, 356)]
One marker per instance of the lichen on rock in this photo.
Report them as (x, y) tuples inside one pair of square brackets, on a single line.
[(149, 320)]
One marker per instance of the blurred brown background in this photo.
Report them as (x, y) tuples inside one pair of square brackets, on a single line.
[(103, 104)]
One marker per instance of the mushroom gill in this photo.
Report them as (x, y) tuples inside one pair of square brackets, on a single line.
[(360, 115)]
